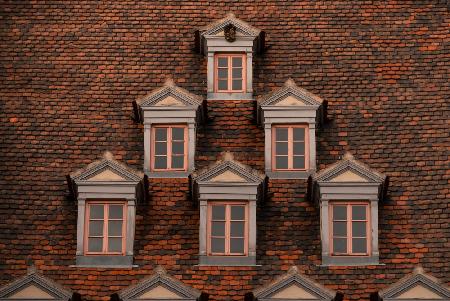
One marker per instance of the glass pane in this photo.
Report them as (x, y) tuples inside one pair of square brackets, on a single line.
[(96, 228), (222, 73), (237, 73), (237, 84), (281, 134), (340, 245), (358, 212), (223, 62), (116, 211), (95, 244), (218, 212), (177, 134), (115, 244), (237, 229), (359, 245), (237, 62), (161, 134), (160, 148), (178, 162), (281, 148), (177, 148), (237, 245), (281, 162), (339, 228), (299, 148), (299, 134), (299, 162), (223, 84), (115, 228), (218, 229), (339, 213), (359, 229), (96, 212), (218, 245), (161, 162), (237, 212)]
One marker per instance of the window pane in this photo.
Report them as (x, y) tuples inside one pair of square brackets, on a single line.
[(237, 212), (359, 245), (222, 73), (299, 162), (161, 134), (222, 84), (359, 229), (237, 73), (115, 228), (339, 245), (116, 211), (114, 244), (95, 244), (281, 134), (299, 148), (160, 148), (96, 212), (237, 229), (281, 148), (161, 162), (218, 229), (339, 213), (218, 245), (358, 212), (177, 134), (281, 162), (237, 84), (299, 134), (177, 148), (223, 62), (96, 228), (178, 162), (237, 245), (237, 62), (218, 212), (339, 228)]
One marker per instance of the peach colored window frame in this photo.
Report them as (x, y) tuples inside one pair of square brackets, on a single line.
[(230, 71), (290, 141), (169, 147), (349, 221), (227, 227), (105, 226)]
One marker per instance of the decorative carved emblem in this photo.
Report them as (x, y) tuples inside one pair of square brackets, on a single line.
[(230, 33)]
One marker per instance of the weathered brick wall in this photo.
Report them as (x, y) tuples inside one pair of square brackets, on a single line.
[(70, 70)]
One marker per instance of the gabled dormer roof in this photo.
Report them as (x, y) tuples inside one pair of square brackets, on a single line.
[(417, 286), (349, 170), (106, 170), (160, 286), (293, 286), (34, 286), (241, 27), (170, 95), (290, 95)]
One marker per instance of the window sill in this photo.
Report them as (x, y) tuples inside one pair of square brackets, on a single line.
[(230, 96), (227, 260), (289, 174), (350, 260), (101, 261), (167, 174)]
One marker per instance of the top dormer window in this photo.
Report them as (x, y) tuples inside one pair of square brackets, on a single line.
[(230, 72)]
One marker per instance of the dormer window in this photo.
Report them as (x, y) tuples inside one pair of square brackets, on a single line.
[(290, 149), (169, 147), (230, 73)]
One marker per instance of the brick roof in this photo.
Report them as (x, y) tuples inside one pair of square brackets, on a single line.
[(70, 70)]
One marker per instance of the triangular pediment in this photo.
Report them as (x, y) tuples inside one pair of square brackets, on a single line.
[(417, 286), (242, 28), (160, 286), (34, 287), (170, 96), (349, 170), (290, 95), (293, 286)]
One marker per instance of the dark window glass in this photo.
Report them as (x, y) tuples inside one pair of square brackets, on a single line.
[(282, 162), (218, 245), (237, 73), (223, 62), (115, 228), (96, 228), (223, 84), (358, 212), (161, 134), (237, 62), (115, 244), (218, 228), (95, 244), (237, 229), (340, 245), (299, 148), (177, 148), (299, 134), (359, 245), (218, 212), (237, 245), (160, 148), (339, 212), (359, 229), (237, 84), (178, 134), (116, 211), (237, 212), (339, 228), (96, 212), (281, 148), (222, 73), (160, 162), (177, 162), (281, 134), (299, 162)]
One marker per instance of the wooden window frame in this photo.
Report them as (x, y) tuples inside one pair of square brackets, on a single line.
[(290, 141), (349, 221), (229, 56), (169, 147), (105, 236), (227, 228)]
